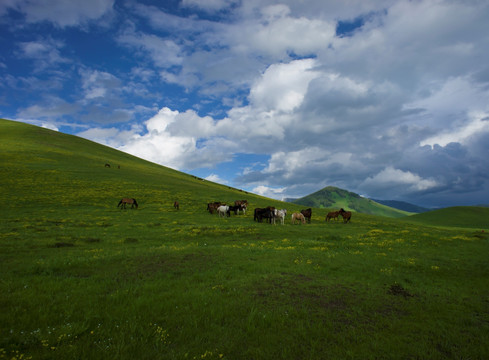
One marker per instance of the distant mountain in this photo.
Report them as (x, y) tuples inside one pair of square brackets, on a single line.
[(336, 198), (401, 205)]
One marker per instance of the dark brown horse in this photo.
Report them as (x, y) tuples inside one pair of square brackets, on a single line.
[(307, 214), (332, 215), (125, 201), (176, 205), (346, 215), (211, 207), (107, 165)]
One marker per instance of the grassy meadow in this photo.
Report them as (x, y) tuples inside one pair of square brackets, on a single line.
[(83, 279)]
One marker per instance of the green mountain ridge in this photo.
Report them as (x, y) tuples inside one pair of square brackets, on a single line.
[(336, 198)]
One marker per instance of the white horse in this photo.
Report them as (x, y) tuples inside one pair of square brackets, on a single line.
[(223, 210), (280, 214)]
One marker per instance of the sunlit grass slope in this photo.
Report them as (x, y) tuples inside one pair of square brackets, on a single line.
[(70, 171), (83, 279)]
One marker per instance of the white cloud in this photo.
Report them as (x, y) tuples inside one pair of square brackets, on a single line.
[(270, 192), (391, 178), (215, 178), (97, 84), (61, 12), (163, 52), (208, 5), (283, 86), (45, 52), (478, 124)]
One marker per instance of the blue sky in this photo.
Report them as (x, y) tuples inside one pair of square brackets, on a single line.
[(388, 99)]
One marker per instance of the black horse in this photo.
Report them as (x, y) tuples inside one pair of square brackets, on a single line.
[(266, 213), (307, 214)]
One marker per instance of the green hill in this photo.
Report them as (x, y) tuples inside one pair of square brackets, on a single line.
[(83, 279), (457, 216), (335, 198), (41, 166)]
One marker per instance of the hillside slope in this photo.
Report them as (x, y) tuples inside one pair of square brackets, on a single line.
[(333, 197), (457, 216), (402, 205), (42, 168)]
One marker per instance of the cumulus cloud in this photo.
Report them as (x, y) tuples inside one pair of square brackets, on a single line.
[(215, 178), (391, 177)]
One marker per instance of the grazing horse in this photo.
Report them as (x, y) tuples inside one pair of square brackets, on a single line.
[(280, 214), (125, 201), (176, 205), (267, 213), (307, 214), (211, 207), (298, 217), (224, 211), (242, 205), (332, 215), (107, 165), (346, 215)]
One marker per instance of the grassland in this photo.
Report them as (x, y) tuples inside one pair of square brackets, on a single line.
[(82, 279)]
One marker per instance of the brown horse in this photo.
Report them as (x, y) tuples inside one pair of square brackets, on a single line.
[(307, 214), (211, 207), (298, 217), (125, 201), (176, 205), (332, 215), (107, 165), (346, 215)]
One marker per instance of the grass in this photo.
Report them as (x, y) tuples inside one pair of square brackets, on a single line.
[(80, 278)]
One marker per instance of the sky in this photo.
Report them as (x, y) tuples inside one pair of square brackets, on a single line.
[(387, 99)]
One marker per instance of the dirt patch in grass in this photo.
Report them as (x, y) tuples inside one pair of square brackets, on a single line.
[(398, 290), (164, 264)]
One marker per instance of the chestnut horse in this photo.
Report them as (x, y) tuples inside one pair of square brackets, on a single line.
[(125, 201), (346, 215), (332, 215)]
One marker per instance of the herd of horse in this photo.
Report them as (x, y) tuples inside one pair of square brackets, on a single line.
[(270, 214)]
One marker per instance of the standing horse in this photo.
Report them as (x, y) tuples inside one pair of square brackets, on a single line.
[(346, 215), (298, 217), (176, 205), (211, 207), (107, 165), (280, 214), (267, 213), (224, 211), (332, 215), (125, 201), (307, 214)]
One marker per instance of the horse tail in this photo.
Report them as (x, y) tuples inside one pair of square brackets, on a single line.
[(135, 203)]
